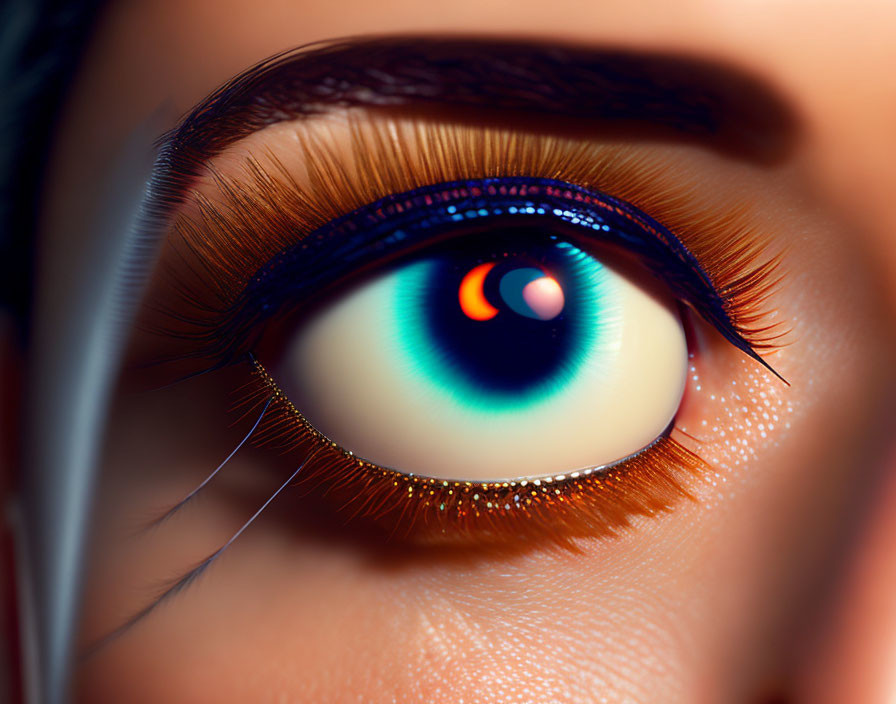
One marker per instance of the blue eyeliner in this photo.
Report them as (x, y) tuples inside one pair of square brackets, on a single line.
[(405, 223)]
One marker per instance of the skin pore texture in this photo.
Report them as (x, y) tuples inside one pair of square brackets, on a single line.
[(724, 598)]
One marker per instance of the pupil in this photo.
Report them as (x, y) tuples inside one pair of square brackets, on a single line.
[(513, 322), (532, 293)]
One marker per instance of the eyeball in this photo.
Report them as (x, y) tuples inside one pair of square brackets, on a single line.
[(491, 362)]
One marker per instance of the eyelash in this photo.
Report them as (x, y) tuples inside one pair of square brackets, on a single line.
[(236, 255), (367, 240), (596, 501)]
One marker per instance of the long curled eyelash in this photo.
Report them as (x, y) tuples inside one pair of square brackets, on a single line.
[(266, 212), (398, 223)]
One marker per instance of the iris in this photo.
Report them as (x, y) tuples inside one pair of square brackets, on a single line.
[(509, 330)]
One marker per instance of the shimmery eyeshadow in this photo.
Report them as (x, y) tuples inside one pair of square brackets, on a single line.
[(736, 420)]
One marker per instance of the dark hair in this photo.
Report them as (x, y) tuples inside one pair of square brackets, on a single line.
[(41, 43)]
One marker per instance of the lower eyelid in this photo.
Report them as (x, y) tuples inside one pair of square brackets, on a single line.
[(593, 502), (720, 425), (731, 408)]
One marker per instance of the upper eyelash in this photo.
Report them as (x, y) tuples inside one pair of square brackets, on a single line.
[(391, 225), (265, 212)]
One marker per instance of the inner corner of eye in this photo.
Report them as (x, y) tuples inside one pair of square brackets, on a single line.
[(491, 363)]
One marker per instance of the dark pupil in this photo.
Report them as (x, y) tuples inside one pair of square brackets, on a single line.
[(520, 346)]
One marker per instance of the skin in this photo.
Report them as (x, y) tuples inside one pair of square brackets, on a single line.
[(763, 585)]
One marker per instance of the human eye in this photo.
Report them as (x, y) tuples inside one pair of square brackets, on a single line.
[(483, 341)]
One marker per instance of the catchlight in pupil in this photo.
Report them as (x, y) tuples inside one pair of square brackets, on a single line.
[(527, 291), (532, 293), (499, 356), (471, 294), (528, 345)]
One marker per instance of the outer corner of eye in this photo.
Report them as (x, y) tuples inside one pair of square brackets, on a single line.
[(485, 364)]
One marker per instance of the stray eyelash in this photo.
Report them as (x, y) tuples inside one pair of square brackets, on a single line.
[(223, 244)]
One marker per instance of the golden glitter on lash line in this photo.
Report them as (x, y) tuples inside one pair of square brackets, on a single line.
[(596, 501)]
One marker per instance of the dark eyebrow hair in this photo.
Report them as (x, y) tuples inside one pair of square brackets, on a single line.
[(654, 94)]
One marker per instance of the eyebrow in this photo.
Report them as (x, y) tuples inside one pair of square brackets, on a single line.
[(655, 95)]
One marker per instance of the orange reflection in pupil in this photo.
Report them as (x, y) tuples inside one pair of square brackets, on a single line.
[(471, 294)]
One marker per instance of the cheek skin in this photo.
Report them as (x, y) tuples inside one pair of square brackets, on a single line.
[(852, 657)]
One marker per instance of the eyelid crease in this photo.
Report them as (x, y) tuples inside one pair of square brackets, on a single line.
[(273, 203), (686, 97)]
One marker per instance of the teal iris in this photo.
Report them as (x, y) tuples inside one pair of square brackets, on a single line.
[(512, 361)]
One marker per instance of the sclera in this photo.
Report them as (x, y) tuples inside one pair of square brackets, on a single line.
[(348, 370)]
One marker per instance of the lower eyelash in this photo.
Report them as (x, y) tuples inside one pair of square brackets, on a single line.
[(596, 501)]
